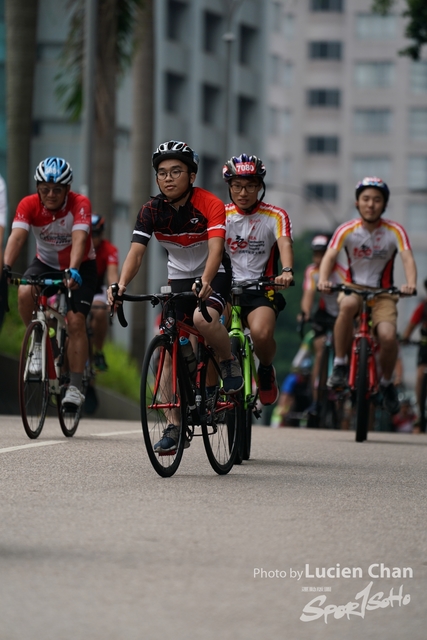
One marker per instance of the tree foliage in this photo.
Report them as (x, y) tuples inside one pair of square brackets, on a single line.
[(416, 29), (69, 79)]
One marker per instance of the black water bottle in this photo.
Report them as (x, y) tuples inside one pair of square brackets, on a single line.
[(189, 357)]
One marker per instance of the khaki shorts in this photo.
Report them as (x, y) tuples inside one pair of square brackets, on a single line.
[(384, 307)]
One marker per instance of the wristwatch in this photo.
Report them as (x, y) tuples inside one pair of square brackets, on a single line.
[(288, 270)]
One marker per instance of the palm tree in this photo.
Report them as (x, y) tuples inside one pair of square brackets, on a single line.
[(21, 31)]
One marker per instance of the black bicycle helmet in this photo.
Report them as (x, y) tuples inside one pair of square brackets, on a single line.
[(54, 170), (175, 150), (244, 166), (376, 183)]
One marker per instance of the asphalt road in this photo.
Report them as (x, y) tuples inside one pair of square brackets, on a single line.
[(95, 546)]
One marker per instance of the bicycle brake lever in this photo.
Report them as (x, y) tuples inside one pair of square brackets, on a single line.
[(119, 308), (200, 303)]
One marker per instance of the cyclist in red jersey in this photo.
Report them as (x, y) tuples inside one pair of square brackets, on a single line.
[(419, 318), (189, 222), (60, 220), (371, 244), (107, 263)]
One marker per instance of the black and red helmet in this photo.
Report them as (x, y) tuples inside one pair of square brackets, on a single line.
[(243, 166), (175, 150)]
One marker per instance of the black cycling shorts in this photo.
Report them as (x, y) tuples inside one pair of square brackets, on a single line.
[(250, 300), (83, 296), (422, 355), (322, 322), (185, 307)]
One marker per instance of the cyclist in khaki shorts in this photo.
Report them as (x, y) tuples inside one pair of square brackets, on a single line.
[(371, 244)]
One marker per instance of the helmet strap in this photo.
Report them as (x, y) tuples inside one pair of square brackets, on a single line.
[(254, 206), (190, 186)]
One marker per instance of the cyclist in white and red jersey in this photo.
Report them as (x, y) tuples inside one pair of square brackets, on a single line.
[(189, 223), (323, 318), (60, 220), (371, 244), (107, 266), (257, 235)]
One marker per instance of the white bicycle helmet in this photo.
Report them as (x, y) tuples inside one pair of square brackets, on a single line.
[(54, 170)]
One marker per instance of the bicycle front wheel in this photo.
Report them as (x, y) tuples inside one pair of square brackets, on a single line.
[(162, 407), (362, 393), (240, 409), (33, 382), (220, 425), (423, 404)]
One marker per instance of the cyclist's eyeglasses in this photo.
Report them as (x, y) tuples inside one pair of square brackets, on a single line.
[(249, 188), (55, 190), (175, 173)]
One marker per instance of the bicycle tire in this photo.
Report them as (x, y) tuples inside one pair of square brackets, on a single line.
[(323, 391), (240, 408), (33, 391), (70, 420), (423, 404), (248, 434), (156, 388), (362, 399), (219, 425)]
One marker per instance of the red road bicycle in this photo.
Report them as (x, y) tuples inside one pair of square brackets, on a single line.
[(363, 376)]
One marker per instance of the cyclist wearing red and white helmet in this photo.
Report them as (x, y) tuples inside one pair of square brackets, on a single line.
[(189, 223), (371, 244), (60, 220), (257, 235), (107, 267)]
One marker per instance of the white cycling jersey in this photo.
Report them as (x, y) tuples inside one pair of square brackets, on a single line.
[(370, 255), (327, 301)]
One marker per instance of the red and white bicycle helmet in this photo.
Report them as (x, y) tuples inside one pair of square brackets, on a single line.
[(175, 150), (243, 166), (320, 243), (376, 183)]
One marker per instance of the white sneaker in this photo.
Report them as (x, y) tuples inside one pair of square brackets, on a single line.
[(73, 397), (35, 366)]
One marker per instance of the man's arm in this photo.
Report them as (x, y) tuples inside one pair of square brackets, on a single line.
[(410, 269), (325, 269), (14, 245), (307, 301), (112, 273), (284, 244), (216, 250)]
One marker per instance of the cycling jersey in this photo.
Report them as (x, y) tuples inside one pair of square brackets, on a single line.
[(106, 254), (251, 239), (327, 302), (370, 255), (53, 229), (183, 232), (420, 317)]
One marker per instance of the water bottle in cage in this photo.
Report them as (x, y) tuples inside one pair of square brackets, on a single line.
[(189, 356)]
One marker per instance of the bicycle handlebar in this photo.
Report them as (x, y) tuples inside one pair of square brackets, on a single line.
[(367, 293), (262, 282), (42, 281), (155, 299)]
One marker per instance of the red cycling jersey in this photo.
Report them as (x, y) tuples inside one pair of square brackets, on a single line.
[(106, 254), (53, 229)]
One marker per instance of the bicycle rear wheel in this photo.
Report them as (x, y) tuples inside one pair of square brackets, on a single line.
[(362, 393), (220, 425), (158, 401), (33, 382)]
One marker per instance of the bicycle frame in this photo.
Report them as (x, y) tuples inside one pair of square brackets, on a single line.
[(364, 332), (248, 360)]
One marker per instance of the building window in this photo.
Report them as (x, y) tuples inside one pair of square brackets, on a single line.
[(279, 121), (416, 218), (174, 93), (327, 5), (322, 190), (176, 20), (212, 32), (417, 173), (210, 173), (418, 77), (371, 166), (247, 41), (377, 121), (322, 145), (325, 50), (246, 108), (418, 123), (323, 98), (371, 26), (281, 72), (288, 25), (369, 75), (210, 104)]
